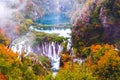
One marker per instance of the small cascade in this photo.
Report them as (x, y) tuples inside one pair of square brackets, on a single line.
[(22, 44), (21, 47)]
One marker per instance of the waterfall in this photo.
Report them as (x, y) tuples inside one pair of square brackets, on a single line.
[(22, 44), (51, 50)]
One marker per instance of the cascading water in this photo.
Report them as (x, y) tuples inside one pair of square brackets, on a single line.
[(23, 44), (49, 49)]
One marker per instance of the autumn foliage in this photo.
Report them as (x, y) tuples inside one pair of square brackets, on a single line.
[(104, 61), (8, 60), (15, 67), (95, 48), (2, 77), (9, 56)]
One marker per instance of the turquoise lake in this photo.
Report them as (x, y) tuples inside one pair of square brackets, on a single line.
[(53, 19)]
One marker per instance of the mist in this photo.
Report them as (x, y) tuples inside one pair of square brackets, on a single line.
[(9, 10)]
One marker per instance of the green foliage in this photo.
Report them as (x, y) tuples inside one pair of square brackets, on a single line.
[(45, 37), (4, 40), (29, 75), (23, 28), (64, 44), (49, 77), (85, 52), (38, 69), (43, 59), (79, 73), (26, 63), (15, 74), (95, 17), (29, 22)]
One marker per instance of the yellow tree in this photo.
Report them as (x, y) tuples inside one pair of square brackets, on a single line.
[(105, 62)]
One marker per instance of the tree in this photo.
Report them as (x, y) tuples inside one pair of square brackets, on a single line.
[(104, 61), (3, 39)]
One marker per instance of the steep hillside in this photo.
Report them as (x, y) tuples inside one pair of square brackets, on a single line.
[(31, 9), (97, 22)]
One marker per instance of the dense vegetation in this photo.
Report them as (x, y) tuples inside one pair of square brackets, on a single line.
[(93, 33), (100, 25), (24, 26), (18, 67), (95, 40)]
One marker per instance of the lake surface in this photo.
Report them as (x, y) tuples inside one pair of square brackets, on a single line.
[(53, 19)]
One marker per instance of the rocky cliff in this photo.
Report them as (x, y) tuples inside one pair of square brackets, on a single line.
[(30, 9), (97, 22)]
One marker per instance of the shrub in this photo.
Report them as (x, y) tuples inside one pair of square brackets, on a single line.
[(4, 40), (29, 75)]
